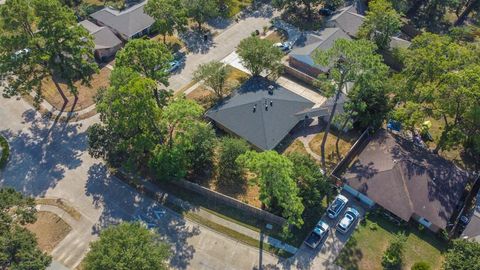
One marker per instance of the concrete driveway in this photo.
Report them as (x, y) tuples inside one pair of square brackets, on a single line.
[(323, 256)]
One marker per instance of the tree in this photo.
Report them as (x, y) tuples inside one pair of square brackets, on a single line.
[(229, 150), (199, 142), (130, 121), (128, 246), (440, 80), (277, 188), (41, 39), (169, 16), (201, 10), (214, 74), (350, 61), (333, 4), (381, 23), (18, 246), (308, 4), (469, 6), (393, 256), (312, 183), (463, 255), (259, 54), (149, 58)]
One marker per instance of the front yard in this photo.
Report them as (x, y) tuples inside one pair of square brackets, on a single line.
[(365, 248)]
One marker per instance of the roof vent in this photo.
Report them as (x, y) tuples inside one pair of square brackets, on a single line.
[(271, 103), (255, 108), (270, 89), (266, 107)]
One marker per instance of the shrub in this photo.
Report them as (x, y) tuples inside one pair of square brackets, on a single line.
[(392, 258), (5, 151), (421, 266), (373, 226)]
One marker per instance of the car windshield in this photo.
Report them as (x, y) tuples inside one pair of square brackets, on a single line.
[(337, 203)]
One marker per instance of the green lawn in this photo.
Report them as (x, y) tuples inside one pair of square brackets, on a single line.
[(365, 248)]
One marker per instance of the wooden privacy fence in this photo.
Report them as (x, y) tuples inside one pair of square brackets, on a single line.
[(217, 197)]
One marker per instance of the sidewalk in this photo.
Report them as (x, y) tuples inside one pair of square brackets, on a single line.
[(156, 193)]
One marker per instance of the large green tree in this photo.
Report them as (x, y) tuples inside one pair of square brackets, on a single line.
[(128, 246), (278, 189), (18, 246), (214, 75), (293, 4), (229, 150), (258, 55), (130, 118), (149, 58), (381, 23), (440, 80), (201, 10), (41, 39), (169, 16), (463, 255), (351, 61)]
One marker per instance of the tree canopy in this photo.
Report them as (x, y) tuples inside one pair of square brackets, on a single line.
[(18, 246), (41, 39), (277, 187), (214, 74), (258, 55), (463, 255), (169, 16), (381, 23), (128, 246), (201, 10)]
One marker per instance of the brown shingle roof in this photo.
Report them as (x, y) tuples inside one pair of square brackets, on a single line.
[(406, 179)]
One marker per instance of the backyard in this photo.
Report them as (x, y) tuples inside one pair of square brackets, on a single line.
[(365, 248), (345, 143)]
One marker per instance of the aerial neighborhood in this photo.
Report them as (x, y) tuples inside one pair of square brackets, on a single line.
[(239, 134)]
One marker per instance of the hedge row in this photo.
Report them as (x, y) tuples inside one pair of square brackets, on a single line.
[(5, 151)]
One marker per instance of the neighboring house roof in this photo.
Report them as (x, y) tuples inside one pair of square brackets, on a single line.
[(396, 42), (261, 118), (305, 47), (348, 19), (407, 179), (472, 230), (103, 37), (127, 22)]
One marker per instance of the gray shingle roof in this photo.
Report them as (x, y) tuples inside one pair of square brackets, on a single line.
[(270, 121), (305, 47), (348, 19), (406, 180), (127, 22), (103, 37)]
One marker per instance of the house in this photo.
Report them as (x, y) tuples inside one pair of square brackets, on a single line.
[(260, 111), (130, 23), (302, 55), (407, 180), (106, 42), (349, 19)]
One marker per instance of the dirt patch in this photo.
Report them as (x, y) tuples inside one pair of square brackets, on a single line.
[(60, 204), (86, 94), (50, 229), (277, 36), (203, 96), (331, 156)]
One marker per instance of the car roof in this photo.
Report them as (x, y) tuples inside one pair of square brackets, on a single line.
[(353, 210)]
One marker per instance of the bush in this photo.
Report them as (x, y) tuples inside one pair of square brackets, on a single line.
[(421, 266), (392, 258), (5, 151), (373, 226)]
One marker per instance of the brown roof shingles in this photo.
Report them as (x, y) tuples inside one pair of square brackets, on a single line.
[(406, 179)]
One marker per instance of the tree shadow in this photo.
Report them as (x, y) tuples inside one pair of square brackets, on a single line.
[(40, 155), (120, 202), (195, 41)]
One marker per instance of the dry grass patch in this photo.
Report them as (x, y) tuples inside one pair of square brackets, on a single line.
[(86, 94), (344, 145), (50, 229), (295, 147), (203, 96), (173, 42), (277, 36), (60, 204)]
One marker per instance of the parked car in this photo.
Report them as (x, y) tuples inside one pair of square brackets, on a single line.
[(325, 12), (284, 46), (173, 66), (351, 215), (318, 233), (337, 206)]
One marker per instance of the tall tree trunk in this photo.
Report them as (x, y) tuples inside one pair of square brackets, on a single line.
[(468, 9), (165, 38), (443, 136), (329, 124), (412, 11), (338, 137), (157, 97)]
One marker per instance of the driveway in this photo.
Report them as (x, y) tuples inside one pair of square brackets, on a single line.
[(221, 46)]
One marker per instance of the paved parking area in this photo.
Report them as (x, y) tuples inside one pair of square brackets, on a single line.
[(323, 256)]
